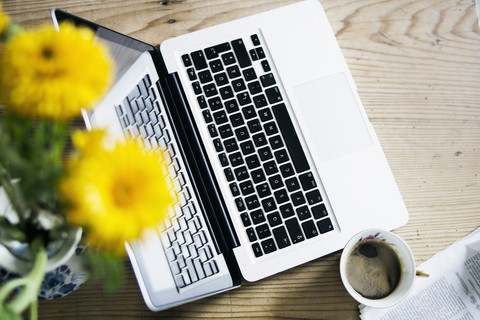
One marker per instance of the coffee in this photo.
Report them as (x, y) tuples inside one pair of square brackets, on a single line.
[(373, 268)]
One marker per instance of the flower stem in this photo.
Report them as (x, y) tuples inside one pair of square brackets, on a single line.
[(5, 181), (28, 285)]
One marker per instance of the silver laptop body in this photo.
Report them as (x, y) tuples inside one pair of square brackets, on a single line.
[(269, 148)]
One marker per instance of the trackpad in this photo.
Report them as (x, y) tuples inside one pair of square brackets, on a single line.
[(333, 118)]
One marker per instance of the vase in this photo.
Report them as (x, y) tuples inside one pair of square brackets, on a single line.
[(64, 272)]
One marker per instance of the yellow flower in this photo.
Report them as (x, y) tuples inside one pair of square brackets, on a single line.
[(4, 20), (116, 193), (53, 74)]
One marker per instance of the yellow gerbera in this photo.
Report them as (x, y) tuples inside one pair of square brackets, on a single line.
[(53, 74), (4, 21), (116, 193)]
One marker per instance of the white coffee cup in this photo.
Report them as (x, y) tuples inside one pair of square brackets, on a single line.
[(406, 262)]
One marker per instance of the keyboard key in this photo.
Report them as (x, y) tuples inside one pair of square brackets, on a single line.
[(281, 196), (236, 159), (314, 197), (234, 189), (225, 131), (260, 101), (287, 170), (252, 202), (308, 181), (255, 40), (267, 80), (216, 66), (273, 95), (210, 90), (228, 58), (231, 106), (226, 92), (319, 211), (233, 72), (187, 62), (258, 176), (266, 66), (191, 74), (259, 139), (257, 250), (254, 125), (252, 236), (202, 102), (269, 204), (253, 54), (246, 188), (276, 142), (309, 229), (274, 219), (294, 230), (247, 147), (221, 79), (287, 210), (230, 145), (213, 130), (271, 128), (249, 112), (263, 231), (242, 133), (240, 204), (270, 167), (291, 139), (238, 85), (207, 116), (281, 156), (298, 198), (325, 225), (249, 74), (292, 184), (281, 237), (260, 53), (241, 53), (303, 213), (263, 190), (265, 153), (220, 117), (205, 76), (244, 98), (276, 182), (229, 174), (265, 114), (246, 219), (196, 87), (223, 159), (199, 60), (252, 161), (241, 173), (257, 216), (254, 87), (269, 246)]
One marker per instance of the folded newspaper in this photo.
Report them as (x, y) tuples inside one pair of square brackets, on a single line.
[(452, 290)]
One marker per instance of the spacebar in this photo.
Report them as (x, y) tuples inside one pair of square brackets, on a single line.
[(291, 138)]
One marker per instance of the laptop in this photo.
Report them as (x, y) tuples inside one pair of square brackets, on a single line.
[(268, 146)]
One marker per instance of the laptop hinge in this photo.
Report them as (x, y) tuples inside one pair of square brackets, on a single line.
[(194, 148)]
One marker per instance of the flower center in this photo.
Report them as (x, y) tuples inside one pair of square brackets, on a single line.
[(124, 193), (47, 53)]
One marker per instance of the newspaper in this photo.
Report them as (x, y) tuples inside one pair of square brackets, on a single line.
[(452, 290)]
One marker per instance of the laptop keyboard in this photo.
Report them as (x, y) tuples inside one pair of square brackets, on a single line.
[(184, 233), (269, 176)]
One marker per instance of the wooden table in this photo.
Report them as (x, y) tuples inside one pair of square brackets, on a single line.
[(417, 68)]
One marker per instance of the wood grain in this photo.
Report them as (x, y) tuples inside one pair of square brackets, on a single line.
[(416, 64)]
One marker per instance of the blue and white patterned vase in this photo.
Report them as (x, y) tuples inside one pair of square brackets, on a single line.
[(65, 278)]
